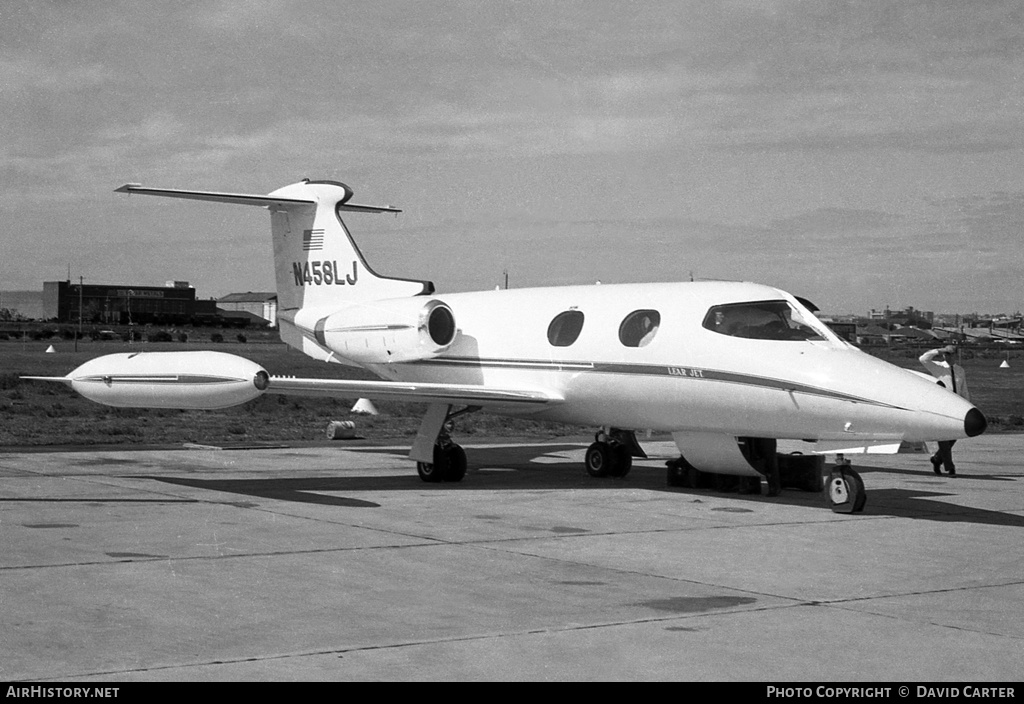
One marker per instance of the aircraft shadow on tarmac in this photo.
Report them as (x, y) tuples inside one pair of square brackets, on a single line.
[(518, 469), (933, 477)]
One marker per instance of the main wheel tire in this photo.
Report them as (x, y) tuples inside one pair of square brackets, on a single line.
[(622, 461), (456, 460), (436, 471), (428, 472), (598, 459)]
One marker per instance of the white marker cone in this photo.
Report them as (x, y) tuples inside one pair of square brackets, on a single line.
[(365, 406)]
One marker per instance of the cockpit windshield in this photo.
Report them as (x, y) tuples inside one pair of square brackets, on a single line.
[(763, 320)]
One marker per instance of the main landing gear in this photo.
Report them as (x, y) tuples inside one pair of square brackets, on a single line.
[(447, 459), (845, 488), (449, 463), (612, 453)]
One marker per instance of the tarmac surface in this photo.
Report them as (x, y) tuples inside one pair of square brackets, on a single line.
[(337, 563)]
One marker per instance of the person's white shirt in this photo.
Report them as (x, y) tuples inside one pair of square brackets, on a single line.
[(946, 371)]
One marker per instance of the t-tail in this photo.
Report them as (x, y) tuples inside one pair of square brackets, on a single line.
[(318, 267)]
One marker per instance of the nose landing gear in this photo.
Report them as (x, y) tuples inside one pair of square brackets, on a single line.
[(845, 488)]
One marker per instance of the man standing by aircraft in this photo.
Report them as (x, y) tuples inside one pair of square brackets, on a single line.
[(952, 376)]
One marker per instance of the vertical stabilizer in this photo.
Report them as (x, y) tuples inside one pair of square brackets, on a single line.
[(318, 267), (317, 263)]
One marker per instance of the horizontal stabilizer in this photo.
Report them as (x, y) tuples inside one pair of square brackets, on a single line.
[(368, 208), (247, 198), (213, 196), (411, 391)]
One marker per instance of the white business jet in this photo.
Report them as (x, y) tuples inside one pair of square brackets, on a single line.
[(727, 368)]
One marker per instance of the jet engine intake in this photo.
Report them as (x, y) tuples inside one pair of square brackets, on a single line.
[(396, 330)]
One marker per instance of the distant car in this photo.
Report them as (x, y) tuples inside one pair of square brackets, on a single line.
[(108, 335)]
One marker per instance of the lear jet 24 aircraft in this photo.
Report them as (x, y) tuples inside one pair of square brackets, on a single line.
[(727, 368)]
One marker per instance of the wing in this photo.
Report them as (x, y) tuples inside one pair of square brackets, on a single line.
[(413, 391)]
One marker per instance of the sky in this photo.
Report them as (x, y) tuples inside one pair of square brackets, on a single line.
[(863, 155)]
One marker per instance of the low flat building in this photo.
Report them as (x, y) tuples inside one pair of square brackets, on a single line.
[(66, 302), (262, 304)]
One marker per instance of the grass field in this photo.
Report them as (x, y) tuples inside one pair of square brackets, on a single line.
[(34, 413), (997, 391)]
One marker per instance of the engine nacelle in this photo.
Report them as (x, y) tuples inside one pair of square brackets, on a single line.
[(194, 380), (396, 330)]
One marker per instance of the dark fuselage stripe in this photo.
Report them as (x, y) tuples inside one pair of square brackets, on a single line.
[(656, 370)]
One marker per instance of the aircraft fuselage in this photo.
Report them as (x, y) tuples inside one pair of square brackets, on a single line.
[(688, 376)]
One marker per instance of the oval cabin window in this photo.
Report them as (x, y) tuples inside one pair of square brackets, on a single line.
[(565, 328), (639, 328)]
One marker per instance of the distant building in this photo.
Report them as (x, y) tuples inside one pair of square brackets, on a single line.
[(912, 334), (261, 304), (66, 301), (873, 335), (907, 316), (847, 331)]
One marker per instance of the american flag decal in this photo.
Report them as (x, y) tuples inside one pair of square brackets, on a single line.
[(312, 239)]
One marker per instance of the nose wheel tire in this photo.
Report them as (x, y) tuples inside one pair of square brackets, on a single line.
[(846, 490)]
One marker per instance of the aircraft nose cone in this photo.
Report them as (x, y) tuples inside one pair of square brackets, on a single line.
[(974, 423)]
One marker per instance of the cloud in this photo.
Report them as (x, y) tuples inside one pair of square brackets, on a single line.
[(803, 132), (26, 74), (830, 221)]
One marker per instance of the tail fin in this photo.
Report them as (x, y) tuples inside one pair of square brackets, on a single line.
[(318, 266)]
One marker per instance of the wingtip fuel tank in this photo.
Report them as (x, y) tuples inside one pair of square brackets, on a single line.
[(183, 380)]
